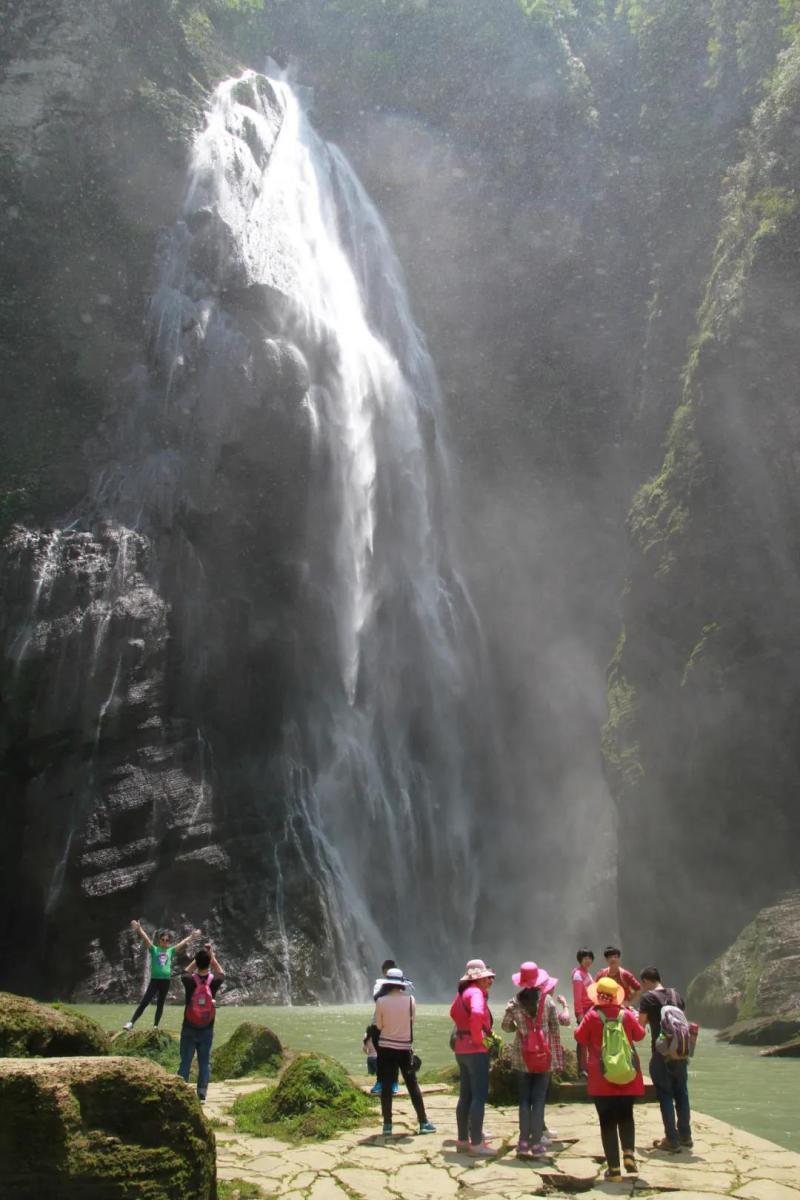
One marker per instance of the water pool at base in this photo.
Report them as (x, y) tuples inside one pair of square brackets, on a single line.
[(733, 1083)]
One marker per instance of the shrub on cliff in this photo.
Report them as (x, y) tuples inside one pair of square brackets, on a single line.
[(29, 1029), (109, 1128), (250, 1050), (314, 1099)]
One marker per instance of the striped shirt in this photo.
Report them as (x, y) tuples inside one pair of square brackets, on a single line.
[(514, 1019), (394, 1015)]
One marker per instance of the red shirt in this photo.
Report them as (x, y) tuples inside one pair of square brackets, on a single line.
[(590, 1034), (626, 978)]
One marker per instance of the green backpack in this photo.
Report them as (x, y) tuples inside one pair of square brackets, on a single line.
[(616, 1053)]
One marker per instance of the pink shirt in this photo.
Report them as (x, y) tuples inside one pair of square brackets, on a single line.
[(394, 1014), (580, 999), (470, 1012)]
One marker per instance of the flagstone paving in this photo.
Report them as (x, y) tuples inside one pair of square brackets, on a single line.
[(362, 1165)]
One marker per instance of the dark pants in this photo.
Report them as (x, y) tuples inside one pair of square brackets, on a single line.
[(616, 1126), (672, 1088), (157, 990), (532, 1090), (472, 1096), (390, 1062), (198, 1040), (582, 1053)]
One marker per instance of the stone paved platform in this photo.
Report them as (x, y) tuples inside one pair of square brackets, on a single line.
[(360, 1165)]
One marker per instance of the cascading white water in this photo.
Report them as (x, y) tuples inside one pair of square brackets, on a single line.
[(377, 763)]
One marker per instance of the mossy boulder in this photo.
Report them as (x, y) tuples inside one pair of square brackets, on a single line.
[(503, 1082), (758, 976), (102, 1129), (29, 1029), (154, 1044), (250, 1050), (314, 1099)]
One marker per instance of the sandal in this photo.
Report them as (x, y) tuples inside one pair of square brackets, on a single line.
[(664, 1144), (613, 1175), (629, 1163)]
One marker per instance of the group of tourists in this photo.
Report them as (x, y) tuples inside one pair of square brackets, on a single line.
[(607, 1028)]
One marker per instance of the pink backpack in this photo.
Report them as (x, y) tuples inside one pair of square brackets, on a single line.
[(536, 1052), (200, 1009)]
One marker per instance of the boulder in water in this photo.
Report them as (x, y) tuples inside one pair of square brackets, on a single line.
[(763, 1031), (315, 1099), (250, 1050), (29, 1029), (111, 1128), (790, 1049), (758, 976)]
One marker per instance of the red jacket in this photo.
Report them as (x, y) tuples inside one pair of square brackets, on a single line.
[(470, 1012), (590, 1034)]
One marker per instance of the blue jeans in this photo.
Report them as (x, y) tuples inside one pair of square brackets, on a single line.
[(532, 1095), (670, 1078), (472, 1096), (199, 1040)]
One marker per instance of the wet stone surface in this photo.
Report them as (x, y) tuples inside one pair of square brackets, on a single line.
[(724, 1161)]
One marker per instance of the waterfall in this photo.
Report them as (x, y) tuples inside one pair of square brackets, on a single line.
[(379, 761)]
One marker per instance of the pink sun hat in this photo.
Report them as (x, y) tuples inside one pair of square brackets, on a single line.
[(530, 975)]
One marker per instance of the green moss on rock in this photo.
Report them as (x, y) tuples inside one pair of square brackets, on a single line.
[(154, 1044), (29, 1029), (102, 1129), (314, 1099), (250, 1050)]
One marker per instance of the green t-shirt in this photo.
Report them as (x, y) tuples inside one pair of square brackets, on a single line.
[(161, 962)]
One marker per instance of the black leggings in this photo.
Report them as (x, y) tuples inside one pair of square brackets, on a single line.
[(157, 990), (389, 1063), (616, 1126)]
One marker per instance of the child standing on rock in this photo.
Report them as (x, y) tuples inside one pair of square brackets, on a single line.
[(161, 953)]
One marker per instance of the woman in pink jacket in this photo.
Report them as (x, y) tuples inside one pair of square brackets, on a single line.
[(473, 1021)]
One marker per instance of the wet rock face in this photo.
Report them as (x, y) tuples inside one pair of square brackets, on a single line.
[(757, 977)]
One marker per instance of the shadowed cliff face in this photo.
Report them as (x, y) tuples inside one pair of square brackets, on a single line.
[(702, 741)]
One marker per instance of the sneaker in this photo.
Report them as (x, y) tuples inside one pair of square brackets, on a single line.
[(395, 1088), (387, 1130), (687, 1141), (523, 1150), (128, 1025), (426, 1127), (375, 1090), (664, 1144), (484, 1150), (462, 1147), (201, 1096), (537, 1149)]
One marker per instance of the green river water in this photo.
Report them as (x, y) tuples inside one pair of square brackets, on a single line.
[(733, 1083)]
